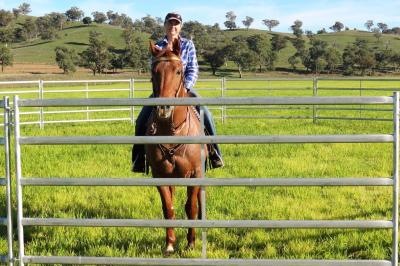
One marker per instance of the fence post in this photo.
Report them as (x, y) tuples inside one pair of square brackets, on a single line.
[(41, 94), (132, 95), (8, 178), (18, 175), (203, 192), (395, 252), (315, 93), (87, 96), (223, 108)]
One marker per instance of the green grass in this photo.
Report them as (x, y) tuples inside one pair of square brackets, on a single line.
[(256, 161)]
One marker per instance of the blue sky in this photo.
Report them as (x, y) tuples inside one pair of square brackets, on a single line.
[(314, 14)]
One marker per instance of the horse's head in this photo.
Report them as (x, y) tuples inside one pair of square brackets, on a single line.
[(167, 76)]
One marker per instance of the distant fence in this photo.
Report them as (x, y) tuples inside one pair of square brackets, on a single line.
[(204, 182), (225, 87)]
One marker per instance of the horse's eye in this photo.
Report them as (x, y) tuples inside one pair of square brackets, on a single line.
[(178, 72)]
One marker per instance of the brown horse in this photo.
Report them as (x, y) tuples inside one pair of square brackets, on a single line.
[(174, 160)]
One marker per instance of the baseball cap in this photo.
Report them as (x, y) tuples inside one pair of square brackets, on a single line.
[(173, 16)]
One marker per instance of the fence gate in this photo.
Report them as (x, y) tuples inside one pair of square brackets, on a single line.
[(205, 223), (6, 181)]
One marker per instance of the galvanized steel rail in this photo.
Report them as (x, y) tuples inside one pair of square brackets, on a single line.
[(204, 223), (7, 221)]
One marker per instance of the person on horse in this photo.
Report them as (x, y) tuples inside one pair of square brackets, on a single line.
[(173, 26)]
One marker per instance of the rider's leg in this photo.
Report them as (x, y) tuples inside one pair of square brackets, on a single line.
[(138, 158), (209, 125)]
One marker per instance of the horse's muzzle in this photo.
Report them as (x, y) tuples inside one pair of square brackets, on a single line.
[(164, 111)]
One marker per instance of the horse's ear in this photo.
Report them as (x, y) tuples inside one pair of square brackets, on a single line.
[(154, 50), (177, 47)]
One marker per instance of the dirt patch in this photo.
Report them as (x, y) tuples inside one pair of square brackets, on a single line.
[(29, 68)]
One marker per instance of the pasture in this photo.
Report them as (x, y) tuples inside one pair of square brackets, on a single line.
[(257, 161)]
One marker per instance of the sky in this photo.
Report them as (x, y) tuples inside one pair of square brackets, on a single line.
[(315, 14)]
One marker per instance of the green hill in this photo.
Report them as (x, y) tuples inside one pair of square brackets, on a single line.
[(76, 36)]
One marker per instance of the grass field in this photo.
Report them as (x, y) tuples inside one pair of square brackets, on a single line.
[(256, 161)]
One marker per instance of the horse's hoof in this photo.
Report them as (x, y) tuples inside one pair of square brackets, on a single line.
[(169, 250), (190, 246)]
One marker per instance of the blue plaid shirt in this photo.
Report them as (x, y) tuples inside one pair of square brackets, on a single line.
[(189, 60)]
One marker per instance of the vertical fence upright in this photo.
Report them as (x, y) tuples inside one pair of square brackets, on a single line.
[(8, 178), (132, 95), (203, 192), (87, 96), (315, 93), (395, 252), (18, 176), (223, 108), (41, 114)]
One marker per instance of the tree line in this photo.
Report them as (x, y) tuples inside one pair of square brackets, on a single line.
[(258, 52)]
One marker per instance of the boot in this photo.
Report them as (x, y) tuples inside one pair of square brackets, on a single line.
[(214, 157)]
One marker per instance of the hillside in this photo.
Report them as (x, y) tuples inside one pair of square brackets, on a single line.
[(76, 36)]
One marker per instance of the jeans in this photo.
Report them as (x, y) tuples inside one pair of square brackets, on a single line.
[(144, 115)]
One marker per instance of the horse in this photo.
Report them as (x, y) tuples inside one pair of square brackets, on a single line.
[(174, 160)]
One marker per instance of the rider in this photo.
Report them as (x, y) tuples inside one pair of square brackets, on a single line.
[(173, 26)]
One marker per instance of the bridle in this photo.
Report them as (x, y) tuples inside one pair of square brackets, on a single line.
[(169, 152)]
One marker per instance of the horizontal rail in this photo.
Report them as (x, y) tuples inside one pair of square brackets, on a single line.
[(359, 89), (207, 182), (76, 121), (267, 117), (85, 90), (196, 262), (378, 138), (355, 109), (353, 118), (20, 82), (207, 101), (271, 224), (86, 81), (269, 89)]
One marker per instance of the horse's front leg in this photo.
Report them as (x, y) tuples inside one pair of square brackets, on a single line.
[(169, 213), (192, 210)]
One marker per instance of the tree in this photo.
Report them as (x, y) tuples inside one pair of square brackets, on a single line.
[(293, 61), (261, 47), (278, 42), (74, 14), (96, 57), (358, 56), (377, 33), (296, 28), (99, 17), (66, 59), (230, 23), (369, 24), (87, 20), (30, 28), (46, 28), (6, 35), (321, 31), (333, 58), (270, 23), (6, 57), (215, 58), (337, 27), (57, 20), (382, 26), (241, 55), (25, 8), (5, 17), (247, 22), (16, 12), (137, 54)]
